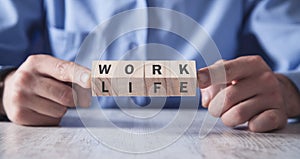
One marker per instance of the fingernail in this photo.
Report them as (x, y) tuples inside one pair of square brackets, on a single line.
[(84, 77), (205, 99), (203, 77)]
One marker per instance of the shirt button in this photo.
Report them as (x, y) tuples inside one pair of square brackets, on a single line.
[(132, 45)]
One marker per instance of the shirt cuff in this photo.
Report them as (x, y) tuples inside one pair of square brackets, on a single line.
[(4, 71), (294, 76)]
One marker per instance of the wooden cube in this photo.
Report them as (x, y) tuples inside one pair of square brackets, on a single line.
[(102, 75), (118, 78), (182, 78), (130, 78), (155, 78), (144, 78)]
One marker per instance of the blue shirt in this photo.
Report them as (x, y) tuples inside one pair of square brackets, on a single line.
[(270, 28)]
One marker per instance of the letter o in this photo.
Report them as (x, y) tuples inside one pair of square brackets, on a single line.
[(129, 69)]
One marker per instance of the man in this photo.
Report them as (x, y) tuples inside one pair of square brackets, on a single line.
[(263, 90)]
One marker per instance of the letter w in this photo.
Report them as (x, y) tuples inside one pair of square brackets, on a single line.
[(104, 68)]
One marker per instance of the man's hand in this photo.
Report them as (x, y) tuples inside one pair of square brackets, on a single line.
[(253, 93), (39, 91)]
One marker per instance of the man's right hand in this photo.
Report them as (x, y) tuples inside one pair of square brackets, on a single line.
[(39, 91)]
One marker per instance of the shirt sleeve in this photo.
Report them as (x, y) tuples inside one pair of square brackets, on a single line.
[(276, 25), (4, 71), (22, 33), (21, 30)]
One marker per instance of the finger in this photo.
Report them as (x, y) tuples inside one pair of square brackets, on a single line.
[(60, 69), (268, 120), (54, 90), (46, 107), (238, 92), (32, 118), (245, 110), (83, 96), (207, 94), (234, 70)]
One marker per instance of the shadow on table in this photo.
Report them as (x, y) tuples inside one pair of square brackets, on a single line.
[(76, 122), (293, 127)]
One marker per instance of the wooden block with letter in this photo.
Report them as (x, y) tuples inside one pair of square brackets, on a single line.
[(144, 78), (182, 78), (155, 78), (117, 78), (130, 81), (102, 75)]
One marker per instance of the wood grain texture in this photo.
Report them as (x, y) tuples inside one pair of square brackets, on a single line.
[(156, 78), (72, 140), (182, 78), (130, 84), (102, 81), (116, 81)]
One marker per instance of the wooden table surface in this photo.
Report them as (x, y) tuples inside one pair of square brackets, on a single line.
[(72, 140)]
